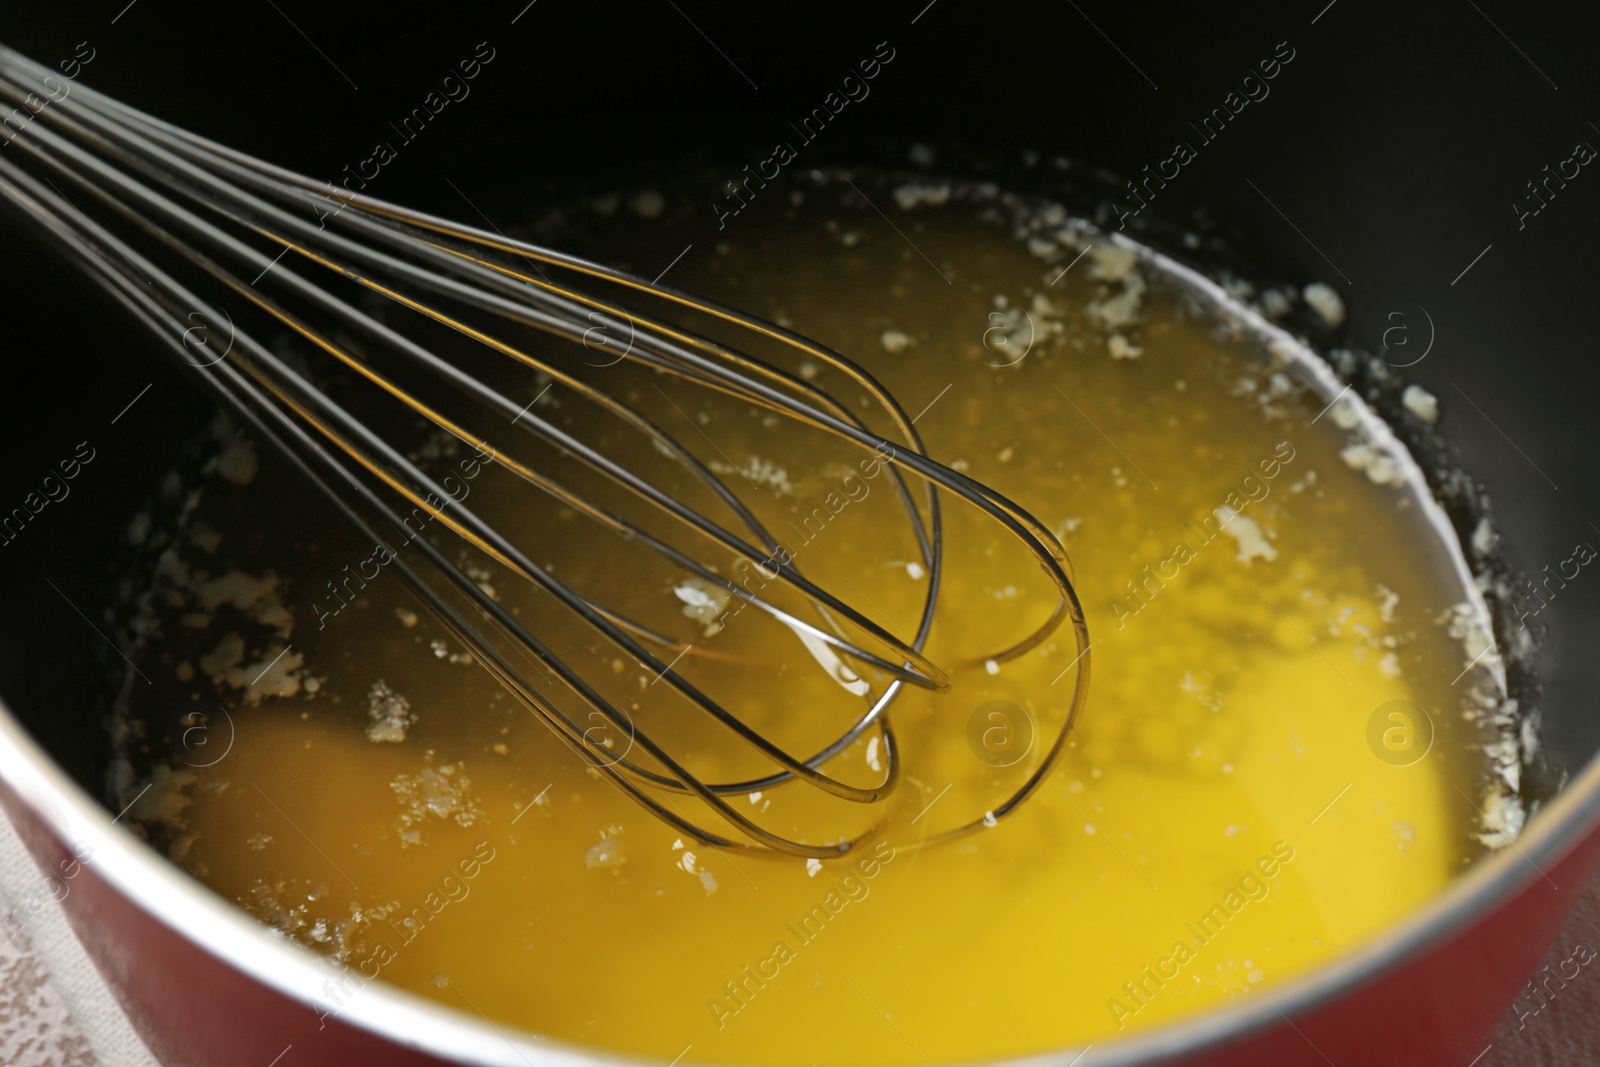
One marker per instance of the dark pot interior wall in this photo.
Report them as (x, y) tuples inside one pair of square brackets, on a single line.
[(1387, 156)]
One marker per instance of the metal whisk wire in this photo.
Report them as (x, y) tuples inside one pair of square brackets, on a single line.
[(201, 201)]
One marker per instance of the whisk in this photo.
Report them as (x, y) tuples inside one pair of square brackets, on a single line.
[(201, 223)]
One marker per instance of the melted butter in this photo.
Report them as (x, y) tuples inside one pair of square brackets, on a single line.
[(1220, 821)]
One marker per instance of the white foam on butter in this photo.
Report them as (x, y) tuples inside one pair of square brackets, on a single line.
[(1378, 446)]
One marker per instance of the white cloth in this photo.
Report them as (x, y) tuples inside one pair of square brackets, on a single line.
[(55, 1009)]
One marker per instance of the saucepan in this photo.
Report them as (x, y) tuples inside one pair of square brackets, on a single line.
[(1430, 163)]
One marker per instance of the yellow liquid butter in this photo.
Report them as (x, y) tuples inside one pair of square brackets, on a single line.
[(1238, 804)]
